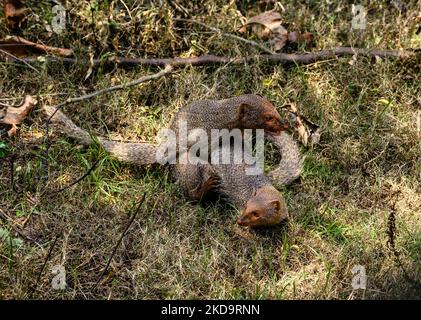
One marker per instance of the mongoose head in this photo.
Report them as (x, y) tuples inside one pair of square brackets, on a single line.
[(256, 112), (266, 208)]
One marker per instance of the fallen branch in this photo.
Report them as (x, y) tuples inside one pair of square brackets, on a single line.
[(47, 257), (298, 58)]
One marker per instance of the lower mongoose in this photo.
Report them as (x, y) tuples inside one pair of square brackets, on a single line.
[(259, 203)]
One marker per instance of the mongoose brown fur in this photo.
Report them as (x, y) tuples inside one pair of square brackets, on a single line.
[(290, 166)]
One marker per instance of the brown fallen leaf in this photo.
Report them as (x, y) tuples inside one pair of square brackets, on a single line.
[(14, 12), (20, 47), (12, 116), (270, 20), (308, 132), (269, 25)]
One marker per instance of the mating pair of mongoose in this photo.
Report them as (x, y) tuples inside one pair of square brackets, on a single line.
[(258, 201)]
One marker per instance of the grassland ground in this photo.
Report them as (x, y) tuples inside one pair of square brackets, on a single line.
[(368, 162)]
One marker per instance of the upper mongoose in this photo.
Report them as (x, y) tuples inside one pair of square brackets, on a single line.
[(288, 169), (247, 111)]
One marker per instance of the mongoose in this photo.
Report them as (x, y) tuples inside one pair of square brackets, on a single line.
[(247, 111), (259, 203)]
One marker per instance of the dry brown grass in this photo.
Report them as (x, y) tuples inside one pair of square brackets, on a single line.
[(370, 148)]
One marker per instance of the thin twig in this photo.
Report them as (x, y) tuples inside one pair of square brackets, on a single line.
[(179, 8), (80, 179), (47, 257), (228, 35), (119, 242), (19, 59), (127, 9), (168, 69)]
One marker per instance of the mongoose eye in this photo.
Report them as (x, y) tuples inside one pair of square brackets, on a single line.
[(268, 118), (254, 214)]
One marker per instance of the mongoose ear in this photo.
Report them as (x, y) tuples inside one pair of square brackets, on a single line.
[(277, 205), (241, 111)]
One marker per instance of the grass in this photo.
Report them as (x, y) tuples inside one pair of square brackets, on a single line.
[(370, 149)]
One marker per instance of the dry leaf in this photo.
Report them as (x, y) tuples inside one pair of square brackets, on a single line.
[(269, 19), (14, 11), (268, 25), (91, 64), (12, 116), (307, 131), (20, 47)]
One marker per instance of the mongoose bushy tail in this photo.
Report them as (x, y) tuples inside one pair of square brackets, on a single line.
[(290, 166), (136, 153)]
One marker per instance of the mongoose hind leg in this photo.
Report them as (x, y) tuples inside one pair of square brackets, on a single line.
[(202, 189)]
